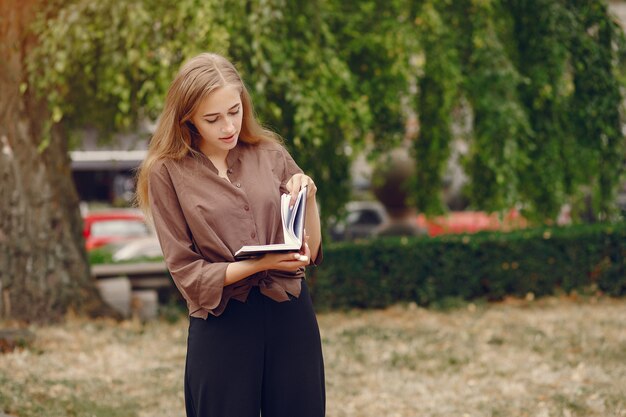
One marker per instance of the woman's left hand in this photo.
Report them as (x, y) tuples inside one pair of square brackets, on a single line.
[(298, 182)]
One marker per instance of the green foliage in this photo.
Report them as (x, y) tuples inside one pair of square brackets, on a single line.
[(104, 255), (438, 94), (376, 39), (499, 151), (443, 271), (596, 100), (486, 265), (542, 54), (109, 63), (541, 80), (100, 256), (301, 87), (543, 83)]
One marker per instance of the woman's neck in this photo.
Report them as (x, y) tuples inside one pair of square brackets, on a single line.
[(217, 157), (219, 162)]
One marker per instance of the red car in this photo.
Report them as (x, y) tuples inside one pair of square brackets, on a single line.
[(470, 222), (366, 217), (105, 227)]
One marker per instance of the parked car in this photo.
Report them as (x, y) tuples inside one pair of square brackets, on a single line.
[(143, 247), (104, 227), (363, 217), (470, 222)]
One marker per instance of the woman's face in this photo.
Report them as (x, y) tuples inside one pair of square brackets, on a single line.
[(218, 120)]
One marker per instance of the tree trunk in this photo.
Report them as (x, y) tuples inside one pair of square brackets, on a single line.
[(44, 270)]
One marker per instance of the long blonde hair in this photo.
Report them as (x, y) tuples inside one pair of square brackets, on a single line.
[(175, 136)]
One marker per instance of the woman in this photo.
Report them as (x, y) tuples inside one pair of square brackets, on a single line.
[(212, 182)]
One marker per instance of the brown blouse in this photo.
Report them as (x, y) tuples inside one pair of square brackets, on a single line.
[(202, 219)]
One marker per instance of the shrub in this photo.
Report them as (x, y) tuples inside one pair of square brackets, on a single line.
[(488, 265)]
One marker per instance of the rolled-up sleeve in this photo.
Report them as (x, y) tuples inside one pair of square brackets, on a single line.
[(200, 282)]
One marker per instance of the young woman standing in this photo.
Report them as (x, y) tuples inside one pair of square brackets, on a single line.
[(212, 182)]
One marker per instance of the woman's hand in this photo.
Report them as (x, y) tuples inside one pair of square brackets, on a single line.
[(289, 262), (298, 182), (312, 218)]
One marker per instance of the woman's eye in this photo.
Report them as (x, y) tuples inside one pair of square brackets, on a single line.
[(232, 113)]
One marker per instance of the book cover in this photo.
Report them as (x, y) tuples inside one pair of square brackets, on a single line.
[(293, 229)]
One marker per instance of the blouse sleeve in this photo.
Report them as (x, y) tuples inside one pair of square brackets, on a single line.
[(291, 168), (199, 281)]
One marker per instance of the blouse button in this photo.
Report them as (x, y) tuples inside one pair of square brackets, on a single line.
[(238, 185), (246, 208), (253, 235)]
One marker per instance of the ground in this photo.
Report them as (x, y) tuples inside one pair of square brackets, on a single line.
[(549, 357)]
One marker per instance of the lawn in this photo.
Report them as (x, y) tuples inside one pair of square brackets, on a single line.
[(539, 358)]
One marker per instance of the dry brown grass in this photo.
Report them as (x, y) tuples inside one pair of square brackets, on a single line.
[(552, 357)]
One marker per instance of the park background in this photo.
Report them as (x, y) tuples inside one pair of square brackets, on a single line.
[(526, 97)]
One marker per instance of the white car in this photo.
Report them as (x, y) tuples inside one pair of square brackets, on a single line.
[(144, 247), (362, 219)]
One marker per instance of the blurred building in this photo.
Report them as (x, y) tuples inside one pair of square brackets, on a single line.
[(619, 9), (104, 171)]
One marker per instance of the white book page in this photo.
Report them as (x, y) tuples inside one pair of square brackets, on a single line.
[(292, 224), (293, 218)]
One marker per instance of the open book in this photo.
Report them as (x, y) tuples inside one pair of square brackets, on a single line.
[(293, 229)]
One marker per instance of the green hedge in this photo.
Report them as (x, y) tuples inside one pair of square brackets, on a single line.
[(487, 265), (103, 255)]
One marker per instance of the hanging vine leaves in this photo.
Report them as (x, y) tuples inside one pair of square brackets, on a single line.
[(499, 150), (109, 63), (437, 96), (595, 103), (302, 88), (542, 56), (376, 39), (542, 80)]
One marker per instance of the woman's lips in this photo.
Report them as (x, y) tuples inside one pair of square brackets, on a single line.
[(229, 138)]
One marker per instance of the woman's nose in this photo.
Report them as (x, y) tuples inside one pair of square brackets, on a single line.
[(228, 127)]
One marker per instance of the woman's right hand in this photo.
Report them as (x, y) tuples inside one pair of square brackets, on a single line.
[(289, 262)]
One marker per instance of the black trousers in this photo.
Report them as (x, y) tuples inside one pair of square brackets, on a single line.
[(260, 356)]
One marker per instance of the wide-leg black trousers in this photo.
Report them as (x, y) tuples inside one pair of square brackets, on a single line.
[(258, 357)]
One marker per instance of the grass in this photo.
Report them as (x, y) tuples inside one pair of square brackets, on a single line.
[(546, 357)]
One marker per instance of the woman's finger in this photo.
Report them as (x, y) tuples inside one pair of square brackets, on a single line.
[(296, 185), (304, 241), (312, 190), (308, 182)]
